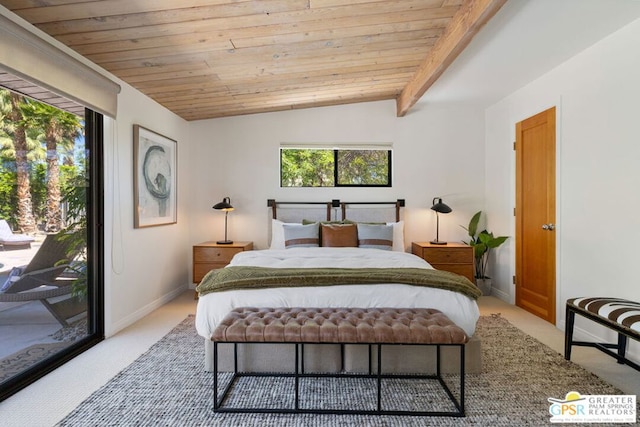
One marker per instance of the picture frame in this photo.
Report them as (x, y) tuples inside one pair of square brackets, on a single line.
[(154, 178)]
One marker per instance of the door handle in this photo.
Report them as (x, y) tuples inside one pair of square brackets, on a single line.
[(549, 227)]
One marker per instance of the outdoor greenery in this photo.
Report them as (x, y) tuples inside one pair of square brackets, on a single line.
[(482, 243), (38, 165), (311, 167), (306, 167), (43, 174)]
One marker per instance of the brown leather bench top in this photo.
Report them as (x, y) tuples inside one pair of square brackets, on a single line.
[(339, 325)]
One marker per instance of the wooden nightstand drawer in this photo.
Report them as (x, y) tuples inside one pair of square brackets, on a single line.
[(200, 270), (222, 255), (211, 255), (454, 257), (448, 256), (461, 269)]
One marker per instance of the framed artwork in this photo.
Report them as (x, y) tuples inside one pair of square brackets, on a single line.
[(154, 178)]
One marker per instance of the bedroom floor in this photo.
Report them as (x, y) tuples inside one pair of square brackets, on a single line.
[(34, 406)]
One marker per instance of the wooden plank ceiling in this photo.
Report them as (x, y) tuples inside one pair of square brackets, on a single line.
[(215, 58)]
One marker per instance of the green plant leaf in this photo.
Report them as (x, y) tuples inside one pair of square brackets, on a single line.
[(485, 237), (496, 241), (473, 224), (479, 250)]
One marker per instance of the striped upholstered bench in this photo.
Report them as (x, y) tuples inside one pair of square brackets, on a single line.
[(620, 315)]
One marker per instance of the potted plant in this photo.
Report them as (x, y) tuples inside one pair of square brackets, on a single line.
[(482, 243)]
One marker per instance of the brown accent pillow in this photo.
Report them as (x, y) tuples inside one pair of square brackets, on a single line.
[(339, 236)]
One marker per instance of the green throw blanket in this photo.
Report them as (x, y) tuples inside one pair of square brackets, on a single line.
[(246, 277)]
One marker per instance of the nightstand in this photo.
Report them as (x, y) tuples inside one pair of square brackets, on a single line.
[(210, 255), (453, 257)]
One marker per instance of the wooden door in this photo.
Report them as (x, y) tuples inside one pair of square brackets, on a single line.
[(536, 214)]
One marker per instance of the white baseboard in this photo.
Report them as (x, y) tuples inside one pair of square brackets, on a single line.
[(143, 311), (500, 295)]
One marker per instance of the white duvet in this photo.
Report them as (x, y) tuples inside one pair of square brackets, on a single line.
[(213, 307)]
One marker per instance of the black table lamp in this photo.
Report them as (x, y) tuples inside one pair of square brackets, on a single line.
[(225, 206), (439, 207)]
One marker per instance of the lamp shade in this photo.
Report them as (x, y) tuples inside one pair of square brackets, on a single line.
[(440, 207), (225, 205)]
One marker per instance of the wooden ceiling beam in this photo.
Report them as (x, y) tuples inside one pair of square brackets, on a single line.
[(465, 24)]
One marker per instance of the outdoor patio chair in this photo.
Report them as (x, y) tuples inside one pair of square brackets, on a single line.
[(45, 277), (9, 240)]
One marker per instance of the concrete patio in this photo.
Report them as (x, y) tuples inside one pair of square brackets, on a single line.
[(23, 324)]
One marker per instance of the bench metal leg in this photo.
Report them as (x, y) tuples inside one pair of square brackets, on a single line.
[(462, 357), (297, 382), (218, 401), (568, 333), (379, 379), (620, 346), (215, 375)]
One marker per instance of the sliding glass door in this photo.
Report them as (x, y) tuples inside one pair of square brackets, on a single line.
[(51, 217)]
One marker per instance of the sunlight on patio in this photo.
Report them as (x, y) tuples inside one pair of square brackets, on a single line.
[(28, 331)]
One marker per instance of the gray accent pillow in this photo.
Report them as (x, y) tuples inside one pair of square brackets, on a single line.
[(301, 236), (375, 236)]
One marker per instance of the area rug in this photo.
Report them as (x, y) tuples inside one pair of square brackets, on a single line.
[(167, 386)]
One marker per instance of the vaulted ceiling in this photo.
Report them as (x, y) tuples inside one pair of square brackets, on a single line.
[(215, 58)]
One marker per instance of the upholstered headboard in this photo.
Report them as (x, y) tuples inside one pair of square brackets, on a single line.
[(361, 212), (336, 210)]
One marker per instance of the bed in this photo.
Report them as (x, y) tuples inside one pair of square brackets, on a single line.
[(300, 259)]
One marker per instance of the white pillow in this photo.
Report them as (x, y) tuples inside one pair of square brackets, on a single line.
[(398, 236)]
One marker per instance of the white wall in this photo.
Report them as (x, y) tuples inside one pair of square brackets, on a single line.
[(437, 151), (146, 267), (596, 94)]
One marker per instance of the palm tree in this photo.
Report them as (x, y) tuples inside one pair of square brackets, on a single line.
[(60, 130), (13, 126)]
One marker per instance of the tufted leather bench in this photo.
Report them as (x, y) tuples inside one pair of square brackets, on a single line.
[(619, 315), (370, 326)]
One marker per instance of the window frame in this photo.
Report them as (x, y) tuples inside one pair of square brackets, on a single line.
[(336, 166), (94, 136)]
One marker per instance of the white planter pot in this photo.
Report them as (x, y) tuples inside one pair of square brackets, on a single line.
[(484, 285)]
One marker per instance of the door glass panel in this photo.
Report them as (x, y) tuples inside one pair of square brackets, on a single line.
[(44, 180)]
